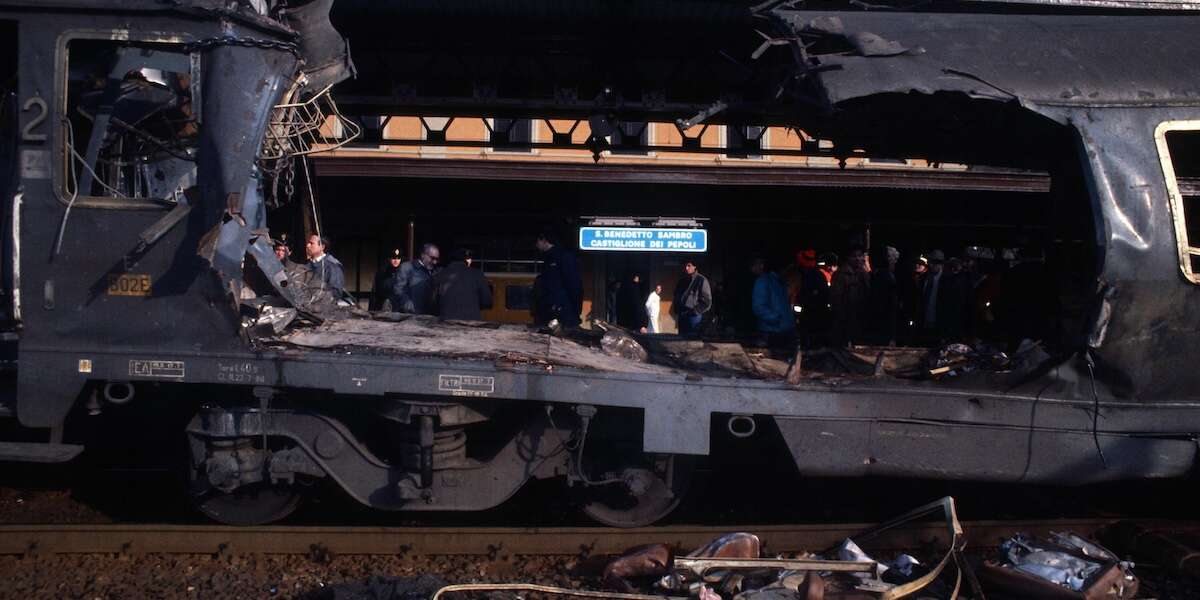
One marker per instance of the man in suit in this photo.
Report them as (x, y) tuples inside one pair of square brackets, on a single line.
[(411, 289)]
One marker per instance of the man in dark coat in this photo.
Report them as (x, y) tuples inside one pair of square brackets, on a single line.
[(325, 267), (911, 286), (412, 286), (954, 302), (560, 288), (460, 292), (631, 305), (1029, 301), (693, 297), (885, 298), (385, 280), (849, 292)]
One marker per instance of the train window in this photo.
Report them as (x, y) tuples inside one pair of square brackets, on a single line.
[(131, 127), (1179, 150), (518, 297)]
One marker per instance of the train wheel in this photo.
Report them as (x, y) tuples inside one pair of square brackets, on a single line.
[(225, 461), (640, 494), (250, 505)]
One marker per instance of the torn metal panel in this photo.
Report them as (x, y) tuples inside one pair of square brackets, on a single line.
[(241, 84), (1033, 59), (325, 52), (264, 256), (1097, 75), (1149, 334)]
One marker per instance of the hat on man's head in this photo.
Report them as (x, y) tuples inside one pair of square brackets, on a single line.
[(807, 258), (937, 256), (395, 253)]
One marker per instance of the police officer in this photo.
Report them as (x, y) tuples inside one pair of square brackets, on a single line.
[(325, 267), (385, 280), (283, 251)]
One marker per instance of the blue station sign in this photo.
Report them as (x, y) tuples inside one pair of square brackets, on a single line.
[(643, 239)]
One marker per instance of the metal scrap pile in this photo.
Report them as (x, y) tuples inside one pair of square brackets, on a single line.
[(733, 567)]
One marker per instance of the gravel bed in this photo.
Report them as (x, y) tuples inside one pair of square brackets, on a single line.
[(38, 506), (257, 576)]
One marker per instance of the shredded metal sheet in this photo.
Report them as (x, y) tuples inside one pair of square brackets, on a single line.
[(426, 336), (1035, 59)]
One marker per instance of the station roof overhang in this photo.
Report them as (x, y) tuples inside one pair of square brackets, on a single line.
[(723, 175)]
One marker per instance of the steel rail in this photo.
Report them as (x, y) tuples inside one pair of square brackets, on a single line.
[(424, 541)]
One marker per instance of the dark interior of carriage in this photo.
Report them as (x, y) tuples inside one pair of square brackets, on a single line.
[(1016, 266), (1007, 233)]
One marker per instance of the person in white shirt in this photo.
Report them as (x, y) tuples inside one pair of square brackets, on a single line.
[(653, 302)]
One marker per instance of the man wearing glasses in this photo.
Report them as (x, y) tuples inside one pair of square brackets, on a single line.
[(412, 288)]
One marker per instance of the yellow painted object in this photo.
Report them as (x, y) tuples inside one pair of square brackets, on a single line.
[(512, 297)]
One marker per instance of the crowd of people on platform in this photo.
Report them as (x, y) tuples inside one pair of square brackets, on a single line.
[(816, 300), (925, 301), (821, 300)]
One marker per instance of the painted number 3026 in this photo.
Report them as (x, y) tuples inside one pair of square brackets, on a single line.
[(128, 285)]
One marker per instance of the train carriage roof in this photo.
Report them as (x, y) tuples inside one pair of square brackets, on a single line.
[(1044, 59)]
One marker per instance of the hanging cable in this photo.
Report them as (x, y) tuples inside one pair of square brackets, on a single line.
[(586, 412), (83, 161), (1091, 365), (62, 226), (312, 198)]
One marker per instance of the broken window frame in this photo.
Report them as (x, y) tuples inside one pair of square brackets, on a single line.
[(61, 165), (1175, 195)]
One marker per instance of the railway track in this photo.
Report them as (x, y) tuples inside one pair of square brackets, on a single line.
[(490, 541)]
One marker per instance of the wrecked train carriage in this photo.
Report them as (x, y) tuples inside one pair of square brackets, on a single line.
[(126, 263)]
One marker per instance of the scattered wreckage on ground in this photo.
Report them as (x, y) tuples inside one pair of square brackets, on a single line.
[(145, 140), (738, 566)]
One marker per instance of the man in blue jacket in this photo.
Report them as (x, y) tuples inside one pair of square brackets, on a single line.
[(772, 311), (559, 286)]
